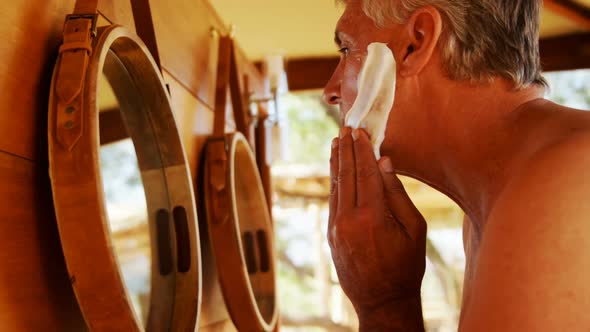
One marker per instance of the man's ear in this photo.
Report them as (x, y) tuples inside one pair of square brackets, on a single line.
[(423, 31)]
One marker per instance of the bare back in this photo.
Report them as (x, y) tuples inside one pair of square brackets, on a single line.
[(528, 258)]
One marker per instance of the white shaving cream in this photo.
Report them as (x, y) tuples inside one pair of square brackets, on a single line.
[(376, 91)]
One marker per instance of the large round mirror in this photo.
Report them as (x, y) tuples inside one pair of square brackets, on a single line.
[(122, 189)]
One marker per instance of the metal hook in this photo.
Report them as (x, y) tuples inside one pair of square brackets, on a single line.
[(232, 30), (213, 32)]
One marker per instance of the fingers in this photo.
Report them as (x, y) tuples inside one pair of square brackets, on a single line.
[(334, 162), (369, 183), (346, 172), (399, 202)]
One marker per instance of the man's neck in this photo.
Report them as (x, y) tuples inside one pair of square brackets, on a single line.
[(472, 144)]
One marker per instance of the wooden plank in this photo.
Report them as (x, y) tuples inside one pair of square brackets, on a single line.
[(26, 63), (188, 48), (117, 12), (566, 53), (35, 290), (194, 120), (189, 54), (571, 10), (183, 33), (30, 32)]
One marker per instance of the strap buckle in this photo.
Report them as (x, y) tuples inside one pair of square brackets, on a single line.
[(216, 139), (217, 161), (92, 17), (78, 34)]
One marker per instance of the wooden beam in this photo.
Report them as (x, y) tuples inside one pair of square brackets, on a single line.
[(571, 10), (308, 73), (558, 53), (301, 72), (111, 126), (565, 53)]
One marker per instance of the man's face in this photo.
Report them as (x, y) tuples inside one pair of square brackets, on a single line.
[(420, 81), (354, 32)]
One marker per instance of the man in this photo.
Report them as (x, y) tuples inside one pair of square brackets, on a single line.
[(469, 119)]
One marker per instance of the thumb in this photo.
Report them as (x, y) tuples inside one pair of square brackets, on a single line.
[(398, 201)]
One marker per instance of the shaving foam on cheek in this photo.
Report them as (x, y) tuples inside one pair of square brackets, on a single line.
[(376, 92)]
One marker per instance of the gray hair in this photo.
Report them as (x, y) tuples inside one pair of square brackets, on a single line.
[(481, 38)]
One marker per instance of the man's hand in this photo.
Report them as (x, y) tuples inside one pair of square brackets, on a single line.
[(377, 236)]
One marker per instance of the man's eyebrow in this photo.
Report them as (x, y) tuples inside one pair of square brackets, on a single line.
[(342, 39), (337, 39)]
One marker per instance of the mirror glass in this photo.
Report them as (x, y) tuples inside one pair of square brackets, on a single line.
[(125, 201)]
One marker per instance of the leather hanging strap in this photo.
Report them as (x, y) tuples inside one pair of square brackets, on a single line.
[(79, 30), (142, 15), (75, 52), (228, 76), (263, 151), (217, 148), (144, 27), (223, 74), (237, 98)]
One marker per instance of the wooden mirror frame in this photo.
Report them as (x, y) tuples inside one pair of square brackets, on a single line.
[(243, 247), (79, 200)]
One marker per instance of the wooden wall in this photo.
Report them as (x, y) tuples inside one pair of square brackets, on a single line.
[(35, 291)]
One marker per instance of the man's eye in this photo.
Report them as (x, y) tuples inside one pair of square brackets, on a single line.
[(343, 50)]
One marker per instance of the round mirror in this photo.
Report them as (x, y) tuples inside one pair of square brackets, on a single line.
[(122, 190), (241, 233)]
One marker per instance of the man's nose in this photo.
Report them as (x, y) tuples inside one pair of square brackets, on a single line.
[(332, 91)]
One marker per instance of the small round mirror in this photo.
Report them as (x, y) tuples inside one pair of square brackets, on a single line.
[(241, 233)]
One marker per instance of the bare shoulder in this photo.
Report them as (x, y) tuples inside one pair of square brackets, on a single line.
[(556, 175), (534, 260), (558, 171)]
